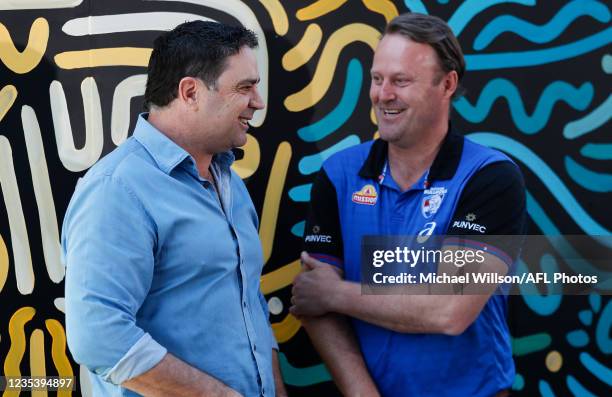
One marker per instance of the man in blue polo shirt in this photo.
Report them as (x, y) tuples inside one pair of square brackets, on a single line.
[(160, 238), (420, 178)]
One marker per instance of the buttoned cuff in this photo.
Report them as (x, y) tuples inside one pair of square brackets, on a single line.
[(141, 357)]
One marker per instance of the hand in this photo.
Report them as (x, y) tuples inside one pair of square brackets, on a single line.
[(313, 287)]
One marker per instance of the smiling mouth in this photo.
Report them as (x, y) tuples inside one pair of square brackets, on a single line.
[(391, 112), (244, 121)]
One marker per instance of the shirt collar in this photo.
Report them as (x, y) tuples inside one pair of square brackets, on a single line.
[(444, 166), (164, 151)]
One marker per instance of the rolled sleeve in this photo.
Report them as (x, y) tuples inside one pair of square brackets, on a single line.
[(109, 243)]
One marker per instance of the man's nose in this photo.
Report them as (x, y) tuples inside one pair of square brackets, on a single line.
[(256, 100)]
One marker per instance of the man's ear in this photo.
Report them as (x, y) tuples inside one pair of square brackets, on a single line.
[(188, 89), (450, 83)]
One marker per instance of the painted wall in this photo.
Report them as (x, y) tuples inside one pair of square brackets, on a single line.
[(71, 84)]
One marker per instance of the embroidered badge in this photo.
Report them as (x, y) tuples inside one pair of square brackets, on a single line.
[(367, 195), (432, 200)]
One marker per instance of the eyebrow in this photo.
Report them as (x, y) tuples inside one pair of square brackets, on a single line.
[(249, 81)]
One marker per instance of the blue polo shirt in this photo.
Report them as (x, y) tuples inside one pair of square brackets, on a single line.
[(469, 189), (158, 262)]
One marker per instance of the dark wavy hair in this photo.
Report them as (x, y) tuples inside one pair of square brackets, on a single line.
[(195, 49), (431, 30)]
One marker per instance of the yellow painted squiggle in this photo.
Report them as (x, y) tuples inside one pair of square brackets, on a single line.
[(23, 62), (124, 56), (280, 21), (286, 329), (18, 344), (58, 353), (318, 86), (304, 49), (37, 359), (274, 191), (8, 94), (4, 263), (246, 166), (384, 7), (318, 8), (280, 278)]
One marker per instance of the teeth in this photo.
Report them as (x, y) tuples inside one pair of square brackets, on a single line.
[(391, 111)]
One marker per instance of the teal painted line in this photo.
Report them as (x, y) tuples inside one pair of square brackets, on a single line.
[(300, 193), (542, 304), (565, 250), (302, 376), (545, 390), (443, 1), (578, 98), (577, 389), (602, 372), (519, 382), (416, 6), (530, 344), (542, 33), (595, 302), (342, 112), (602, 332), (505, 60), (577, 338), (606, 63), (597, 151), (298, 229), (311, 164), (598, 117), (586, 317), (591, 180), (470, 8), (548, 177)]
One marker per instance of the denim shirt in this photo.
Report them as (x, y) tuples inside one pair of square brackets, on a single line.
[(157, 262)]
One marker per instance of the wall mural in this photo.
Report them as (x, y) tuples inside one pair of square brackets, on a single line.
[(72, 78)]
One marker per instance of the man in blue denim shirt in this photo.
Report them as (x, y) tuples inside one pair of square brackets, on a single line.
[(160, 238)]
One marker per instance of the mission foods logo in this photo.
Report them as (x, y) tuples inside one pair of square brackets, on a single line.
[(432, 200), (367, 195)]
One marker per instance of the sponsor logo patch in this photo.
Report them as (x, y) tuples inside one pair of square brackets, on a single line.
[(367, 195), (427, 231), (432, 200)]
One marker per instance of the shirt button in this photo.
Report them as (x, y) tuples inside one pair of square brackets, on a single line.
[(244, 304), (254, 348)]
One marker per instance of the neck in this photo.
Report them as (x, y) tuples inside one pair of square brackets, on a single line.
[(408, 163), (164, 120)]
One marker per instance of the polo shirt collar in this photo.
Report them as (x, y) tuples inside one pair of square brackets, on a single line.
[(165, 152), (444, 165)]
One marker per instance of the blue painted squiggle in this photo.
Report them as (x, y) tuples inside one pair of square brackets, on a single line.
[(606, 63), (470, 8), (597, 151), (311, 164), (298, 229), (602, 372), (300, 193), (578, 98), (416, 6), (602, 332), (590, 122), (505, 60), (544, 33), (545, 389), (544, 305), (577, 389), (342, 112), (546, 175), (578, 338), (565, 249), (593, 181)]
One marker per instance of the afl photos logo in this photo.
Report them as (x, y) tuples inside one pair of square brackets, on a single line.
[(367, 195)]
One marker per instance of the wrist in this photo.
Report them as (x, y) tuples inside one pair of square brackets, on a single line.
[(337, 297)]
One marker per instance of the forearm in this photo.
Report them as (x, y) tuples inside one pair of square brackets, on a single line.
[(278, 377), (407, 313), (333, 338), (173, 377)]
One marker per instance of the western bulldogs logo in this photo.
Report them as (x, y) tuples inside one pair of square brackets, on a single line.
[(432, 200)]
